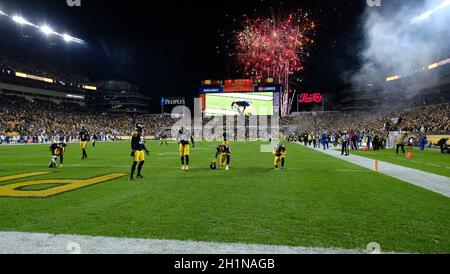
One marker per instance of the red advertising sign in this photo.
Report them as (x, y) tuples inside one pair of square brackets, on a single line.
[(307, 98), (244, 85)]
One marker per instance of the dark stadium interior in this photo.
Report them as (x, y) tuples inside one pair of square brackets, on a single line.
[(231, 126), (162, 50), (168, 51)]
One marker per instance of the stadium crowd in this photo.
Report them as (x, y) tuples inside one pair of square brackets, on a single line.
[(38, 121), (426, 119)]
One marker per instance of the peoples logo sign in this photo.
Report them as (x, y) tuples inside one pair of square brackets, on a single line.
[(307, 98), (172, 101)]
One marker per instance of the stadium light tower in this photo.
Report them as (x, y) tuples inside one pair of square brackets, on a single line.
[(67, 37), (424, 16), (20, 20), (47, 30)]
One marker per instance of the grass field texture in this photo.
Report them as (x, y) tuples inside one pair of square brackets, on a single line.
[(430, 161), (318, 201)]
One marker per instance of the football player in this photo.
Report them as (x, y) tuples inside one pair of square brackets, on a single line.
[(138, 151), (184, 139), (241, 106), (94, 140), (164, 139), (280, 156), (84, 139), (223, 155), (57, 150)]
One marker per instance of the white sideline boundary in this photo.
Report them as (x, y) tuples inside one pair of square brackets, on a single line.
[(430, 181), (40, 243)]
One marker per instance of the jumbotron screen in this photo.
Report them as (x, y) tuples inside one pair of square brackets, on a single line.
[(253, 103)]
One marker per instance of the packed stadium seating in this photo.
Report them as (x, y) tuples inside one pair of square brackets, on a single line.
[(426, 119), (46, 119)]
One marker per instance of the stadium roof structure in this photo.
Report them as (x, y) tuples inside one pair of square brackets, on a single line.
[(47, 30), (116, 86)]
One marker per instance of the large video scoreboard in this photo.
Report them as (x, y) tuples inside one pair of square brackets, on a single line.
[(240, 97)]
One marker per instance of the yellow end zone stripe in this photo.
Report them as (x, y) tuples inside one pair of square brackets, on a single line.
[(62, 185), (20, 176)]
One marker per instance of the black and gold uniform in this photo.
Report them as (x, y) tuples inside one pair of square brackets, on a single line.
[(280, 156), (94, 140), (164, 139), (184, 139), (223, 155), (84, 140), (138, 151), (57, 150)]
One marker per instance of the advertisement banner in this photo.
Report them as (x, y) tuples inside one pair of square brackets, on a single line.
[(243, 85), (172, 101), (307, 98), (211, 90), (268, 89)]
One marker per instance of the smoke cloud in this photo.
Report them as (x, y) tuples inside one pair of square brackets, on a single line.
[(398, 42)]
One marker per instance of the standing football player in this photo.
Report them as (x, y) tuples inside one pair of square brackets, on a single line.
[(164, 139), (94, 140), (184, 139), (138, 151), (84, 140)]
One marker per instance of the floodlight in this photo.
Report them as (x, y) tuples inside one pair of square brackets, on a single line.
[(47, 30), (44, 29), (20, 20), (424, 16), (67, 37)]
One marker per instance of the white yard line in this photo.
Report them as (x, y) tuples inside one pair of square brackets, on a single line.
[(436, 183), (40, 243)]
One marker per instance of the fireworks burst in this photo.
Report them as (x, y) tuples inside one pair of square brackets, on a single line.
[(275, 47)]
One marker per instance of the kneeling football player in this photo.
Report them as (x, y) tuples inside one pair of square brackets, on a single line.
[(57, 150), (138, 151), (223, 155), (280, 156)]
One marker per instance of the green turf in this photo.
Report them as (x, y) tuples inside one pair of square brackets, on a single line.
[(318, 201), (431, 160)]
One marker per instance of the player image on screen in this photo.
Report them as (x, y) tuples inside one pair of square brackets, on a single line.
[(240, 104), (243, 107)]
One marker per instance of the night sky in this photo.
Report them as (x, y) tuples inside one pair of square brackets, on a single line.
[(166, 48)]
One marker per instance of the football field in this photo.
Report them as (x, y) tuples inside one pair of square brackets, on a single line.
[(430, 161), (318, 201)]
